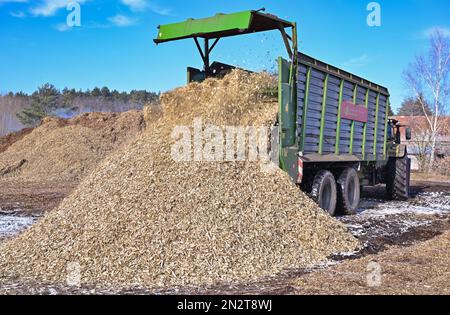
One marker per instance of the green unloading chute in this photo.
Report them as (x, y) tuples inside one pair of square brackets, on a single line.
[(221, 25), (212, 29)]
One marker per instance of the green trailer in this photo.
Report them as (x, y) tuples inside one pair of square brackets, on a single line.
[(335, 135)]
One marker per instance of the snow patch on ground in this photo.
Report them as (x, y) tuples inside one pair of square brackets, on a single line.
[(13, 225), (379, 219), (424, 204)]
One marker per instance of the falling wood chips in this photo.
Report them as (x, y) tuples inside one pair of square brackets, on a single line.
[(141, 219), (61, 149)]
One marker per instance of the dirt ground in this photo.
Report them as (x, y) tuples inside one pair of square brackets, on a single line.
[(419, 269), (28, 198), (406, 247), (423, 177)]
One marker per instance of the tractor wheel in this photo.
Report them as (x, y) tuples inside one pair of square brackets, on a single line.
[(348, 192), (324, 191), (398, 178)]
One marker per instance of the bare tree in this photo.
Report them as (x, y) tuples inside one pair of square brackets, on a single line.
[(428, 76)]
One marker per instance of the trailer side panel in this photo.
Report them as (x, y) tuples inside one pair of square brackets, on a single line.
[(339, 113)]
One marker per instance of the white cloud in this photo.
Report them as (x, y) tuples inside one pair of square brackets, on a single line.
[(63, 27), (357, 62), (18, 14), (429, 31), (142, 5), (135, 5), (50, 7), (154, 7), (13, 1), (122, 20)]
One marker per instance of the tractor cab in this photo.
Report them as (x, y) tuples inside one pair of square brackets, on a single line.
[(395, 130)]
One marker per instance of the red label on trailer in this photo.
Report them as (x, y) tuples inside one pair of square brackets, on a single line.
[(354, 112)]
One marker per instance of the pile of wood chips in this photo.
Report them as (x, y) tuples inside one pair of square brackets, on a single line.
[(142, 219), (9, 139), (61, 149)]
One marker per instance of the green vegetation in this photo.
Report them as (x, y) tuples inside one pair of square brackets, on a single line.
[(43, 103), (49, 101), (413, 107)]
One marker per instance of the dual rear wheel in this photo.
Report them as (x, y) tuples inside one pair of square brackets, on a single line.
[(339, 196)]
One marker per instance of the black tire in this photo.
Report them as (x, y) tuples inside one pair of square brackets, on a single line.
[(348, 192), (398, 178), (324, 191)]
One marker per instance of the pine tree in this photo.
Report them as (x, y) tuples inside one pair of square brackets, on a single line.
[(413, 107), (43, 103)]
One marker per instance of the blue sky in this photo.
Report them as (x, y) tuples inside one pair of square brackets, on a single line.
[(114, 47)]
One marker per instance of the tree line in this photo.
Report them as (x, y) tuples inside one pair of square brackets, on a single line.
[(47, 100)]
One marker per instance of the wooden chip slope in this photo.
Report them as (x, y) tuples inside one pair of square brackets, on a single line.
[(141, 219), (61, 149)]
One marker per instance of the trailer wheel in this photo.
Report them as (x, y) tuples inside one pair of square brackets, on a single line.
[(398, 178), (324, 191), (348, 192)]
